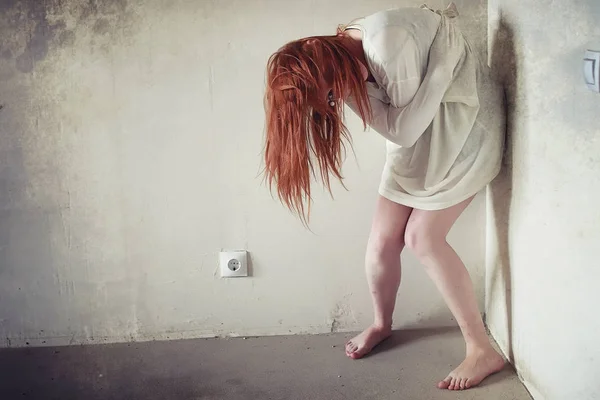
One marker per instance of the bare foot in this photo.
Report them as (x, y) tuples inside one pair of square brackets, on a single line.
[(362, 344), (473, 370)]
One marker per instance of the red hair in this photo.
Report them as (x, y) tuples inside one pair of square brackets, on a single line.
[(303, 129)]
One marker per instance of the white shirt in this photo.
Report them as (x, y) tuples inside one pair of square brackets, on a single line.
[(441, 149)]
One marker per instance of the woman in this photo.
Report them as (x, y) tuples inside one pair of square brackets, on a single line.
[(411, 75)]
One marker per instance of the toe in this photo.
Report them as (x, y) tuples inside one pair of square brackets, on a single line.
[(352, 350), (357, 353), (456, 383), (468, 384), (445, 383), (462, 383), (350, 347), (452, 383)]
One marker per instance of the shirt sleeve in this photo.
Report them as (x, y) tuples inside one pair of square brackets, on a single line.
[(415, 91), (404, 125)]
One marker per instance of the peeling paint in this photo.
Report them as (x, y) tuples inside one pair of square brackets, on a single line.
[(341, 317)]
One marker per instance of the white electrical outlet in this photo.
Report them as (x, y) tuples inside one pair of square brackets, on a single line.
[(233, 263), (591, 70)]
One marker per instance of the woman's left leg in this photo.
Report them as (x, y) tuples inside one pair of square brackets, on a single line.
[(425, 235)]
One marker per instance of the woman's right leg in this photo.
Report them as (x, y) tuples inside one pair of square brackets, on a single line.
[(382, 262)]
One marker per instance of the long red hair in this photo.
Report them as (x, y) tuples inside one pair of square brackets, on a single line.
[(303, 130)]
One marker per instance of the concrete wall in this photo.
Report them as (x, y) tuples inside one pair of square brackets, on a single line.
[(543, 236), (130, 151)]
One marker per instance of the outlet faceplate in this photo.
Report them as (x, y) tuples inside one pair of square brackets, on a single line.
[(233, 263), (591, 70)]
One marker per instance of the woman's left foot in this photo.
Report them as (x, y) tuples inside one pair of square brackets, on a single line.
[(476, 367)]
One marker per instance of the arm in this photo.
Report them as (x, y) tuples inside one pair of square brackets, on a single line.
[(405, 125)]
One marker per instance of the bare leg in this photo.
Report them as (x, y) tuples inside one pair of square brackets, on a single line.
[(426, 233), (382, 262)]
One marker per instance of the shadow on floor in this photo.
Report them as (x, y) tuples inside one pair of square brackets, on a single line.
[(406, 336)]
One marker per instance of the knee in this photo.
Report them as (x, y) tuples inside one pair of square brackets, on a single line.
[(422, 240), (382, 248)]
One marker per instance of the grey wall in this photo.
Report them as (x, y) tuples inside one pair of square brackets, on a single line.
[(543, 231), (130, 151)]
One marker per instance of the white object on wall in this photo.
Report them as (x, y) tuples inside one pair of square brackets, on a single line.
[(591, 68), (233, 263)]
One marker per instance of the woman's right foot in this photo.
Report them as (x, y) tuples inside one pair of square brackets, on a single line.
[(362, 344)]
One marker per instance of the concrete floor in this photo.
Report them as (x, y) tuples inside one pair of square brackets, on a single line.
[(407, 366)]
